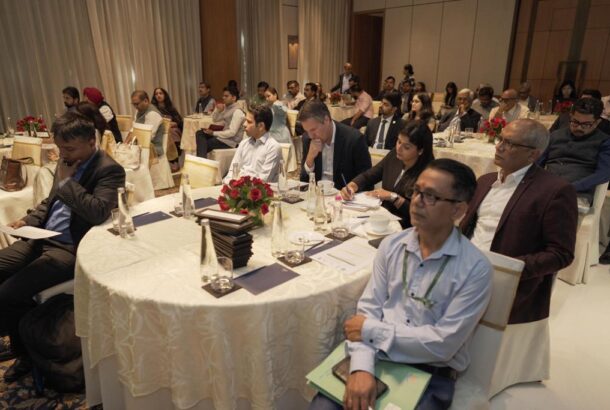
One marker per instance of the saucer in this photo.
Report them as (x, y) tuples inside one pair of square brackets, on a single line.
[(309, 236), (369, 230)]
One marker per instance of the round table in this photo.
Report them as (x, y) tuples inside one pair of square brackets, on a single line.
[(477, 153), (191, 125), (144, 320), (341, 112)]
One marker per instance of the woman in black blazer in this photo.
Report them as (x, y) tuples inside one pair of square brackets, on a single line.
[(397, 172)]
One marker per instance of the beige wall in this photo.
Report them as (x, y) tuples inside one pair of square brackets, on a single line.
[(290, 27), (465, 41)]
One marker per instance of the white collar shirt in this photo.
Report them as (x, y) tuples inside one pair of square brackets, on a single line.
[(491, 208), (257, 158)]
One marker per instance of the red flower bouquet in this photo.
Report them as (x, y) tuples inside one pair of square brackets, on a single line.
[(564, 106), (493, 128), (246, 195), (30, 124), (335, 98)]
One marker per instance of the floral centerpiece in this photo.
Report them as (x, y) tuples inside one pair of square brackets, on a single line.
[(335, 98), (248, 196), (564, 106), (30, 124), (493, 128)]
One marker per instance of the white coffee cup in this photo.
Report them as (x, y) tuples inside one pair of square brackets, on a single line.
[(326, 186), (379, 223)]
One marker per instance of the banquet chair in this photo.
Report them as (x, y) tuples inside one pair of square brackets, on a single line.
[(586, 252), (438, 99), (377, 155), (604, 224), (224, 158), (296, 140), (27, 147), (376, 106), (108, 143), (124, 122), (495, 356), (43, 182), (242, 105), (202, 172), (288, 156), (161, 172), (140, 177)]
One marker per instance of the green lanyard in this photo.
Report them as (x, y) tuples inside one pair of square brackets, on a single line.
[(426, 302)]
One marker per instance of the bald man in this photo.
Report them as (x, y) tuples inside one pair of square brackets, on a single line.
[(344, 85), (509, 108)]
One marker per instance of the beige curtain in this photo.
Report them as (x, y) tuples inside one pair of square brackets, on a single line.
[(323, 40), (260, 43), (113, 45)]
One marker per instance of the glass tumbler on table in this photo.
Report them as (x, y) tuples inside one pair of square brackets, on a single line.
[(295, 252), (338, 226), (223, 280)]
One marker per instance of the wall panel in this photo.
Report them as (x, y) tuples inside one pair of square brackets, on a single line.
[(396, 41), (425, 41)]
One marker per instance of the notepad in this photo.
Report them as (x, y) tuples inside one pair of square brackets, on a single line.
[(265, 278), (149, 218)]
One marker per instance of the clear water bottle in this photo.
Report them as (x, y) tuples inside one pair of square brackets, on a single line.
[(199, 108), (208, 262), (278, 236), (188, 205), (310, 198), (320, 217), (9, 127), (282, 182), (235, 171), (126, 228)]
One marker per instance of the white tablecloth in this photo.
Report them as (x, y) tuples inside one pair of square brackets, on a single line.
[(477, 154), (339, 113), (548, 120), (140, 308), (192, 124)]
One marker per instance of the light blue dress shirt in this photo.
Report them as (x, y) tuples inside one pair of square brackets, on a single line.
[(400, 328), (60, 214)]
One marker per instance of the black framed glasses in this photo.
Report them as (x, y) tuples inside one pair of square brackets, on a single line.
[(510, 144), (584, 125), (431, 199)]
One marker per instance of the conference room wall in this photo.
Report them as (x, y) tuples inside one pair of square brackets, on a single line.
[(466, 41)]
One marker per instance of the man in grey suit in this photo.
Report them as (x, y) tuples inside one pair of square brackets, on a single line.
[(382, 131)]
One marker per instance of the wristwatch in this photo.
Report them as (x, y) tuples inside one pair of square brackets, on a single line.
[(393, 196)]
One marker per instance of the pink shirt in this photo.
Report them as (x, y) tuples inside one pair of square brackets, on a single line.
[(364, 103)]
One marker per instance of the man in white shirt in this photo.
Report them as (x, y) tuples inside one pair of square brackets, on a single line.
[(429, 289), (146, 113), (259, 155), (232, 132), (509, 108), (293, 97)]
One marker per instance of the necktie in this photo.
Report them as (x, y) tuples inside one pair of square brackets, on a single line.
[(381, 134)]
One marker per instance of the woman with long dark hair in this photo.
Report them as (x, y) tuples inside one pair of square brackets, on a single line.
[(163, 102), (421, 109), (451, 92), (397, 171), (565, 96)]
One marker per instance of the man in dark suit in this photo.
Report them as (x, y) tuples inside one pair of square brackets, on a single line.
[(333, 151), (467, 117), (343, 85), (382, 131), (526, 213), (83, 194)]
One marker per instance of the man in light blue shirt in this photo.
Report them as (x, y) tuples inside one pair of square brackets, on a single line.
[(429, 288)]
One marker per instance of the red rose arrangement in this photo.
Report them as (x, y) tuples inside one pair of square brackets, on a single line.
[(248, 196), (564, 106), (31, 124), (335, 98), (493, 128)]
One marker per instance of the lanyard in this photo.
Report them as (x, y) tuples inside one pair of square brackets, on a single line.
[(426, 302)]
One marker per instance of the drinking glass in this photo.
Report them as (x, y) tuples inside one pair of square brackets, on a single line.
[(296, 250), (115, 219), (469, 132), (338, 225), (178, 203), (223, 280)]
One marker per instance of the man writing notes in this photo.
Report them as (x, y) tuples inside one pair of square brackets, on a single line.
[(333, 151), (429, 288), (258, 155)]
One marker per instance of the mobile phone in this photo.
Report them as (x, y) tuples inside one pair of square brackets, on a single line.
[(341, 371)]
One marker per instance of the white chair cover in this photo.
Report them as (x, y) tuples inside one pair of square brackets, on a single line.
[(224, 158), (141, 178), (161, 172), (376, 105), (377, 155), (65, 287), (289, 157), (586, 253), (202, 172), (24, 147)]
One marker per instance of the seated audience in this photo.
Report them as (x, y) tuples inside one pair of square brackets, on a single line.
[(259, 99), (527, 213), (563, 120), (449, 102), (388, 87), (429, 288), (565, 96), (364, 108), (279, 130), (406, 97), (310, 92), (293, 97), (421, 109), (258, 155), (94, 96), (580, 153), (205, 104), (320, 95), (91, 112), (333, 151), (420, 87), (467, 117), (146, 113), (525, 98), (84, 193), (71, 98), (233, 84), (343, 85), (397, 171), (408, 73), (606, 113), (232, 118), (163, 102), (509, 109), (485, 101), (382, 131)]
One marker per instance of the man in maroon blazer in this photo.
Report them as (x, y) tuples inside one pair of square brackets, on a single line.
[(526, 213)]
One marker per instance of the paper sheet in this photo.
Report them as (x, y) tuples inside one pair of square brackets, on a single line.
[(28, 232), (349, 257)]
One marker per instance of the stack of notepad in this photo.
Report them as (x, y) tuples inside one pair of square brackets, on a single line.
[(229, 234)]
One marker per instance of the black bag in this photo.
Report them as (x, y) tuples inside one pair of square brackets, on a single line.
[(48, 333)]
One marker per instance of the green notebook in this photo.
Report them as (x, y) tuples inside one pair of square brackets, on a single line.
[(406, 384)]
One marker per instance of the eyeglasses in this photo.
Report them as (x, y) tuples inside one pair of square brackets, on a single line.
[(510, 144), (431, 199), (584, 125)]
